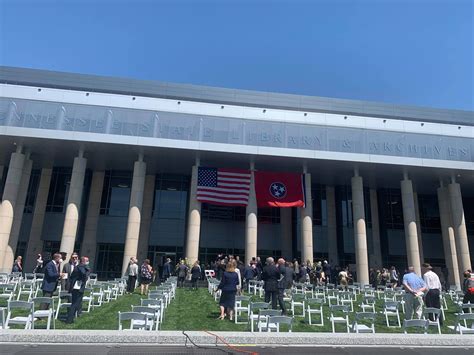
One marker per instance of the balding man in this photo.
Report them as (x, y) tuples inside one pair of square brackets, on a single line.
[(271, 276), (415, 288)]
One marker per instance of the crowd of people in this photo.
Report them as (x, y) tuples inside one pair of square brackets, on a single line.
[(235, 276), (71, 276)]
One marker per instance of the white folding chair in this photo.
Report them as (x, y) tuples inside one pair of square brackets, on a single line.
[(242, 306), (138, 321), (339, 314), (420, 324), (462, 323), (39, 312), (297, 300), (315, 306), (153, 316), (391, 309), (25, 316), (64, 301), (274, 322), (255, 307), (262, 320), (364, 322), (434, 313)]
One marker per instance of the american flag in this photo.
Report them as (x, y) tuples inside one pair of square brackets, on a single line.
[(228, 187)]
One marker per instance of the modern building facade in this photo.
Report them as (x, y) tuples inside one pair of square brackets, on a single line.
[(107, 167)]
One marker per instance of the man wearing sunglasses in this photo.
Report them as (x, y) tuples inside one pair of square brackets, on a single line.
[(68, 269)]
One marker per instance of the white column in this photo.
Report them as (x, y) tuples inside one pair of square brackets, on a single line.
[(447, 230), (18, 213), (286, 233), (459, 224), (194, 219), (374, 212), (333, 256), (71, 218), (9, 199), (251, 224), (307, 223), (89, 242), (134, 212), (409, 219), (148, 198), (418, 228), (35, 244), (360, 232)]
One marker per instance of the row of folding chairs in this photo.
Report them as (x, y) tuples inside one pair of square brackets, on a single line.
[(150, 313)]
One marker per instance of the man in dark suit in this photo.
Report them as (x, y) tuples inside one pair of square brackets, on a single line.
[(77, 284), (167, 270), (286, 282), (271, 276), (51, 276), (67, 271)]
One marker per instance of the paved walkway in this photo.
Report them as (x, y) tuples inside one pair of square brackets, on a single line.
[(179, 338)]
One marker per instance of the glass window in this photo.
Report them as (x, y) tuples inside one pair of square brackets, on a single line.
[(58, 190), (109, 260), (318, 194), (429, 213), (32, 191), (391, 209), (268, 215), (116, 193), (171, 196)]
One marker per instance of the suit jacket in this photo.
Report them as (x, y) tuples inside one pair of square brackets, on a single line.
[(67, 269), (287, 280), (80, 273), (271, 275), (51, 276)]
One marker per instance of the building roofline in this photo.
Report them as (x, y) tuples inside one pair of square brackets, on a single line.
[(159, 89)]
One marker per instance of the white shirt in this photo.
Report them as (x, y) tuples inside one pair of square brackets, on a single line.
[(432, 281)]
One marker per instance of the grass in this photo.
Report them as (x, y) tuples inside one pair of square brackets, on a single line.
[(197, 310)]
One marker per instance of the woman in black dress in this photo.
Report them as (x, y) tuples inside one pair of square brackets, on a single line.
[(228, 285)]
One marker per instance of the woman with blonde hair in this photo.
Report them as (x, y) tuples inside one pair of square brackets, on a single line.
[(195, 274), (228, 286)]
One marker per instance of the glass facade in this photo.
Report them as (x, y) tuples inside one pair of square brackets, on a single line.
[(116, 193), (58, 190), (109, 260), (32, 191)]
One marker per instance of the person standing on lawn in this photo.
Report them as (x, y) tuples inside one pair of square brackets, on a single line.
[(146, 276), (415, 288), (228, 286), (132, 272), (77, 284), (433, 285), (195, 274)]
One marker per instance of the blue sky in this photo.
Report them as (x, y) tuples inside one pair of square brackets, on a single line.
[(416, 52)]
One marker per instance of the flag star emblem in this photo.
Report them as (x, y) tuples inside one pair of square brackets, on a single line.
[(278, 190)]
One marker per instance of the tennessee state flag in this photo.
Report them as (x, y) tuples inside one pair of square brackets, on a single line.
[(279, 189)]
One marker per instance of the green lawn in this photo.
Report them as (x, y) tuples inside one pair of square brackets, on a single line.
[(197, 310)]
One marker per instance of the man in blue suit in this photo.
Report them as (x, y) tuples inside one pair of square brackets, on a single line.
[(51, 276)]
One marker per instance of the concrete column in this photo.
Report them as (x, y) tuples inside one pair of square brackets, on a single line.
[(332, 226), (251, 224), (134, 212), (286, 233), (18, 214), (418, 228), (447, 230), (374, 212), (9, 200), (409, 219), (307, 223), (71, 218), (360, 233), (148, 198), (459, 224), (89, 242), (35, 244), (194, 219)]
